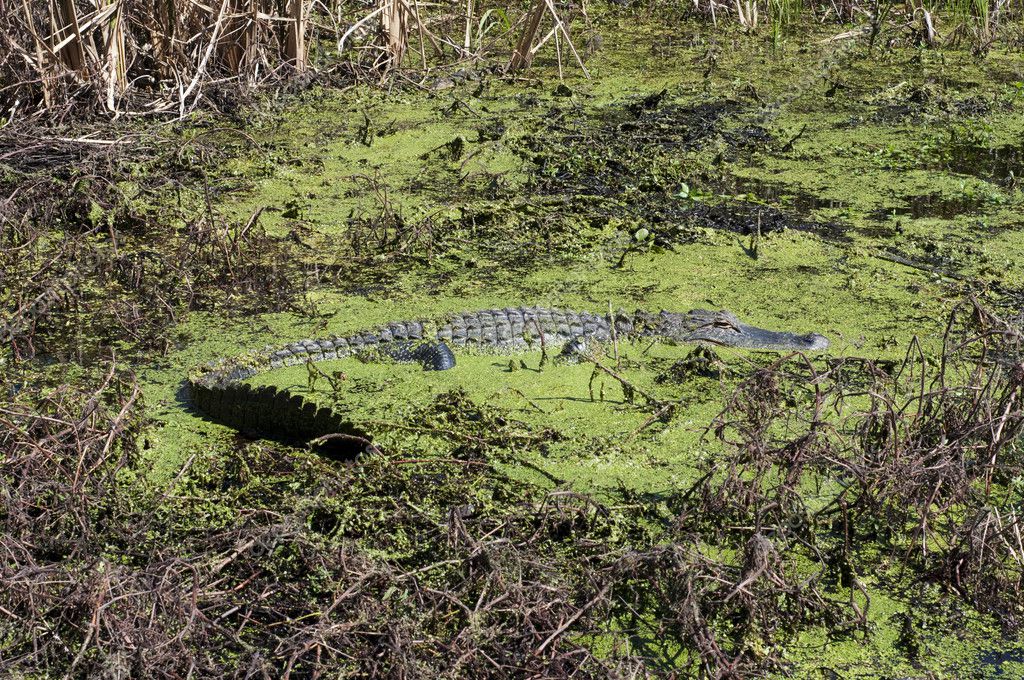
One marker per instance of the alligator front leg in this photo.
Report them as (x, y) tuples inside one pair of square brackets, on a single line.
[(432, 355)]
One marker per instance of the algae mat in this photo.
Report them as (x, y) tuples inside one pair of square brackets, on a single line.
[(862, 204)]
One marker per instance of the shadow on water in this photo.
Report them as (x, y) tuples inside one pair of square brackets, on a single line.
[(341, 443), (932, 206), (760, 206), (784, 196), (745, 218), (992, 662), (1002, 165)]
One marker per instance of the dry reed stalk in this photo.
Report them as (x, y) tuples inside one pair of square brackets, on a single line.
[(522, 57), (561, 28), (424, 34), (394, 26), (201, 68), (558, 56), (354, 28), (393, 19), (525, 50), (161, 32), (746, 13), (116, 68), (45, 79), (295, 46), (931, 36), (73, 54), (85, 47), (232, 48)]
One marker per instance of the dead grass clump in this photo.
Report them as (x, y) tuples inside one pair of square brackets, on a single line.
[(82, 249), (151, 57), (66, 454), (274, 562), (71, 58), (936, 461), (249, 565), (720, 617), (924, 469)]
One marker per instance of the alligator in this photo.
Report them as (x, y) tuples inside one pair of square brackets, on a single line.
[(219, 390)]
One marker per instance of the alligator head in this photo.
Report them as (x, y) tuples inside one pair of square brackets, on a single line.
[(723, 328)]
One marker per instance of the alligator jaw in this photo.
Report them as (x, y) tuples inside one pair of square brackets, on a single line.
[(752, 337), (723, 328)]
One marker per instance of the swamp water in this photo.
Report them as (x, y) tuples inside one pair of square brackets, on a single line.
[(716, 172)]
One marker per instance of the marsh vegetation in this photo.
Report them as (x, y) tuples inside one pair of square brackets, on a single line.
[(182, 183)]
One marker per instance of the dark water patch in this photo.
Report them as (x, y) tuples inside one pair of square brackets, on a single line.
[(970, 107), (890, 114), (1014, 225), (749, 137), (911, 104), (635, 145), (993, 660), (669, 126), (745, 218), (935, 205), (946, 257), (1002, 165), (625, 163), (784, 196), (901, 104), (917, 103)]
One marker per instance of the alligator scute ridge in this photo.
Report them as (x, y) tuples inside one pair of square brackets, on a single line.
[(218, 390)]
